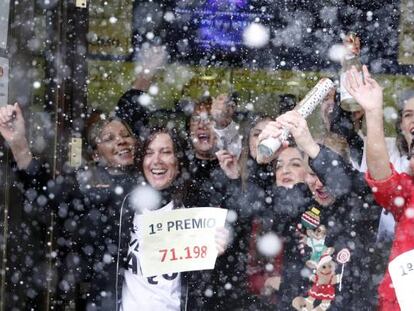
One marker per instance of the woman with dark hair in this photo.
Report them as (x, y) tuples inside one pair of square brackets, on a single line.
[(247, 183), (246, 167), (164, 170), (162, 167), (203, 163), (403, 129), (286, 198)]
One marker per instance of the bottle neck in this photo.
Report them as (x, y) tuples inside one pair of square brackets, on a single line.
[(350, 60)]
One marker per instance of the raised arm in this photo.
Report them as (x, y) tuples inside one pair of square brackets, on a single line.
[(150, 60), (298, 128), (330, 167), (131, 106), (368, 94), (12, 128)]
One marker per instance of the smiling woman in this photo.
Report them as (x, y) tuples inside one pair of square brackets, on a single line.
[(112, 144), (201, 132), (160, 163), (163, 165), (87, 201)]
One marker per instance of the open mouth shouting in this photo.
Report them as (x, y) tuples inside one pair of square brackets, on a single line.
[(323, 196), (203, 137)]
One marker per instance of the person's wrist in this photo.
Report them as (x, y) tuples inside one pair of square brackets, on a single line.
[(19, 145), (374, 110), (143, 81), (312, 149), (22, 154), (374, 114), (235, 174)]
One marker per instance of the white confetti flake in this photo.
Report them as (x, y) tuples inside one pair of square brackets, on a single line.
[(37, 84), (231, 216), (256, 35), (208, 292), (153, 90), (228, 286), (337, 52), (169, 16), (119, 190), (145, 100), (390, 114), (409, 213), (269, 244), (145, 198), (399, 201)]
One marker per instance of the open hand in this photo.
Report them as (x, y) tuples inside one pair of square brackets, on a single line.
[(152, 58), (222, 110), (364, 89)]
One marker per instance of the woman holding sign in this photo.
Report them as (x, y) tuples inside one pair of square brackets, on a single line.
[(394, 191), (163, 169)]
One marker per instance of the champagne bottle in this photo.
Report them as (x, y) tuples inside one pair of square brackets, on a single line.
[(351, 58), (305, 107)]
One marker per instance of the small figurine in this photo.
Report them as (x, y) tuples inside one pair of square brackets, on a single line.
[(323, 288)]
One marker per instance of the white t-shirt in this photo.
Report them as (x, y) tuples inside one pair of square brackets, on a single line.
[(162, 292), (401, 165), (400, 162)]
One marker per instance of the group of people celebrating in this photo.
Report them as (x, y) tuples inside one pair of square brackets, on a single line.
[(290, 220)]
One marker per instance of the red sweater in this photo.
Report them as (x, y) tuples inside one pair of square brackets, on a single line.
[(389, 193)]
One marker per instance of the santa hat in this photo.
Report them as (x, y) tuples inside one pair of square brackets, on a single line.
[(324, 259)]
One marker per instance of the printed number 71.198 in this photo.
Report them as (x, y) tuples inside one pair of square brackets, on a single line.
[(194, 252)]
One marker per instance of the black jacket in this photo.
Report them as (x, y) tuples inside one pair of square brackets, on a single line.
[(103, 234), (87, 208), (227, 284), (351, 222)]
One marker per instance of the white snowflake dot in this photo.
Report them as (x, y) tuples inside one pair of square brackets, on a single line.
[(119, 190), (399, 201), (269, 244), (228, 286), (409, 213), (256, 35)]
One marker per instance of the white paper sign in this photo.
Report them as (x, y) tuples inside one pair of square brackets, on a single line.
[(180, 240), (402, 275), (4, 81), (4, 22)]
